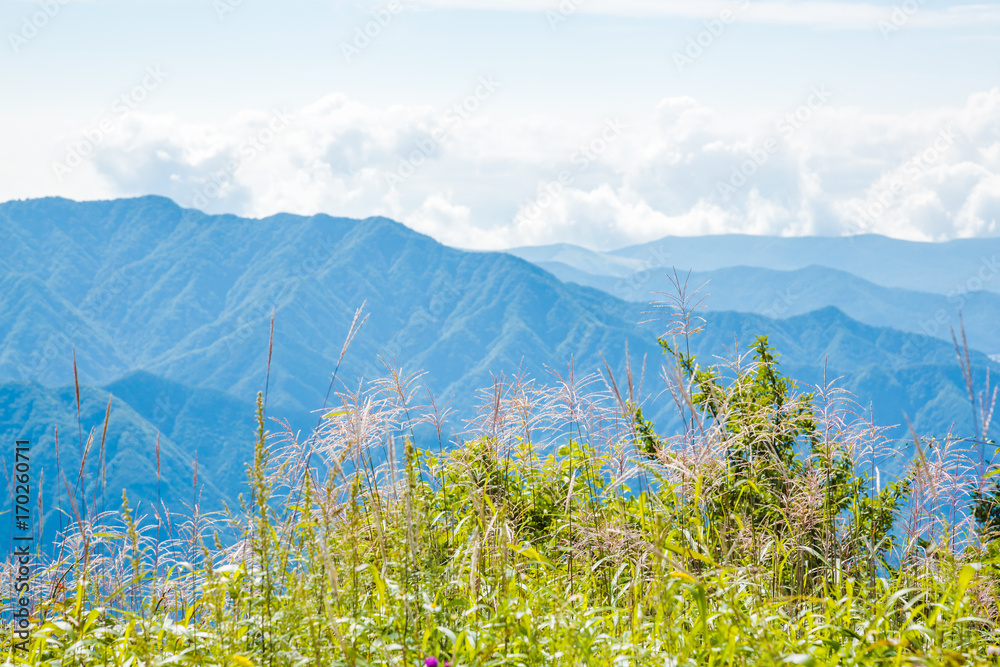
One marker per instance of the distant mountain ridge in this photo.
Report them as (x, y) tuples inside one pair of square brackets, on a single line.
[(779, 294), (952, 268), (169, 309)]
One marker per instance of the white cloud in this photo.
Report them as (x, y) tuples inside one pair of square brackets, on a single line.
[(483, 182)]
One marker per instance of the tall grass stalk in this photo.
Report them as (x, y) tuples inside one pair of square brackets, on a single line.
[(559, 528)]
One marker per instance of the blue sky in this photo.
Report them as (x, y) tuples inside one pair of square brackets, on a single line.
[(375, 131)]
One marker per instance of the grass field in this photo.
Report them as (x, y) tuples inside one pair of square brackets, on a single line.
[(559, 529)]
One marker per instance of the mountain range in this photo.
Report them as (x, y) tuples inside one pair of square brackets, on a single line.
[(951, 268), (927, 288), (168, 310)]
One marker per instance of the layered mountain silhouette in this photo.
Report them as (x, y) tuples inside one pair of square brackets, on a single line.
[(168, 311), (778, 294), (949, 268)]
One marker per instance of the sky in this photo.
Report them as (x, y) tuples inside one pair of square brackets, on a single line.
[(491, 124)]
